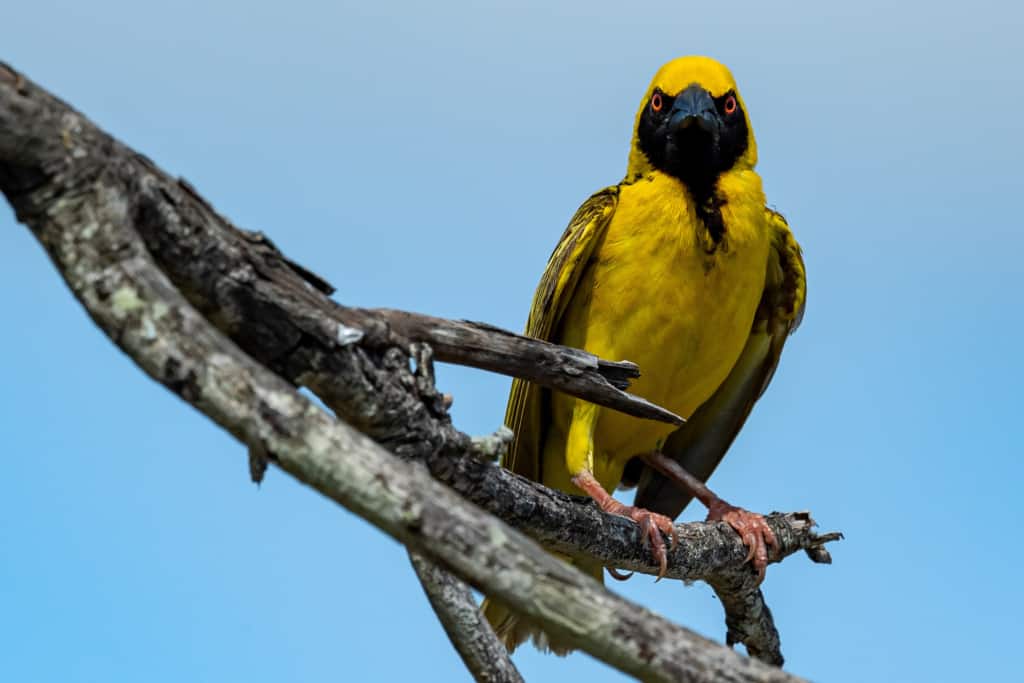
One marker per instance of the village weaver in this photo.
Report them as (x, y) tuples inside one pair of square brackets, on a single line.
[(682, 269)]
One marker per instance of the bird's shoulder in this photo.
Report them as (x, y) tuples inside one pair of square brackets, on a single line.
[(568, 259), (785, 291), (557, 284)]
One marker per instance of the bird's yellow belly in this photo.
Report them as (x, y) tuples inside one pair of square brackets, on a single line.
[(656, 298)]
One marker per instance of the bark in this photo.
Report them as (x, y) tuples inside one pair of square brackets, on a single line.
[(471, 635), (222, 318)]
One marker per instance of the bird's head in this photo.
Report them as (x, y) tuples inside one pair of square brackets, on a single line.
[(692, 125)]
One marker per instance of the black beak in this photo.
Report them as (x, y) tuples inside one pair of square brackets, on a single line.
[(694, 111)]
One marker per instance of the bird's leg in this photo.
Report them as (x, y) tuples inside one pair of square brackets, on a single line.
[(652, 525), (751, 526)]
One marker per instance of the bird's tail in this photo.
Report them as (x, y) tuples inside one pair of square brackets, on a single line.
[(513, 629)]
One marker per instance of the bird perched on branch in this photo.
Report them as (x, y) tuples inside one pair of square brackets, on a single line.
[(682, 269)]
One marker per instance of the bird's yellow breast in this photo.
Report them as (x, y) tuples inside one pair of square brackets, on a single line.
[(659, 293)]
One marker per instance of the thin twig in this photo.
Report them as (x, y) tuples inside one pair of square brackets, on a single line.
[(470, 634), (571, 371)]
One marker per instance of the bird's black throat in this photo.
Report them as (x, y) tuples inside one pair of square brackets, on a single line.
[(695, 137)]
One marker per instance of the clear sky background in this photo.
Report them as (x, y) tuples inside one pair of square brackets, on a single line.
[(427, 156)]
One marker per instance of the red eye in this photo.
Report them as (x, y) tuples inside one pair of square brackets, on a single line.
[(730, 105), (656, 102)]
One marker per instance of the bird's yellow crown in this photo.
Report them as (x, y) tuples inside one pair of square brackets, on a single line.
[(672, 78)]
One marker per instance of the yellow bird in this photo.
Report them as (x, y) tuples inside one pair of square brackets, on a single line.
[(682, 269)]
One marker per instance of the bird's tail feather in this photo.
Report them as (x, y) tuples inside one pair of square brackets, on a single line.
[(513, 629)]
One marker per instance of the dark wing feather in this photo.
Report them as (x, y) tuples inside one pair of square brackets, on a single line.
[(525, 412), (700, 444)]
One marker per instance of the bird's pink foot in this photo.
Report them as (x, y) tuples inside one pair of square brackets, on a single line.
[(652, 525), (751, 527)]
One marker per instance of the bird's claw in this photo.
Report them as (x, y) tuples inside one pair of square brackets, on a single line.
[(619, 576), (752, 528), (652, 526)]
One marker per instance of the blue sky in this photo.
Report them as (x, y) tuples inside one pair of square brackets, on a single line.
[(427, 156)]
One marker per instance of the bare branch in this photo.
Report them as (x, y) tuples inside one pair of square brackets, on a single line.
[(571, 371), (89, 199), (471, 635)]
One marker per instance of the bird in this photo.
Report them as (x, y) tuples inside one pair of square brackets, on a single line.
[(683, 269)]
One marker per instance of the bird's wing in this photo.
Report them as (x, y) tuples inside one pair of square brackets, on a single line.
[(700, 444), (524, 415)]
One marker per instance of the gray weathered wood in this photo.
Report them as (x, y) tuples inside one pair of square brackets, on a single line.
[(179, 225), (469, 632), (571, 371)]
